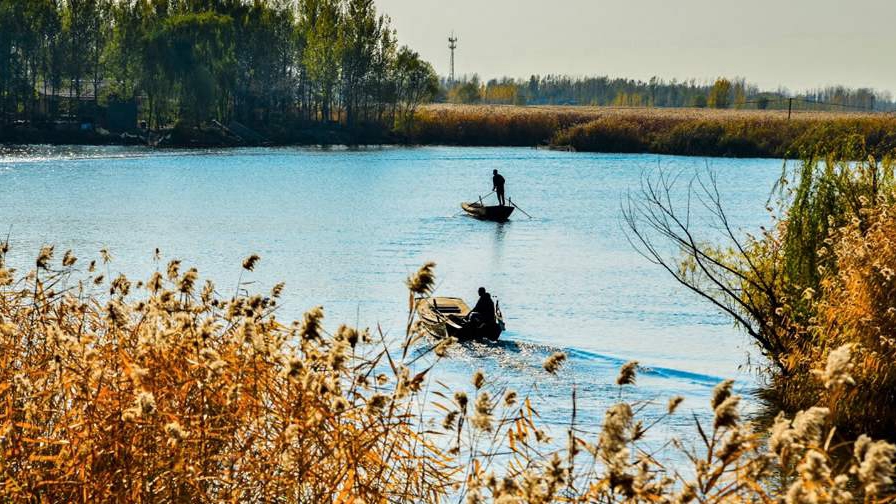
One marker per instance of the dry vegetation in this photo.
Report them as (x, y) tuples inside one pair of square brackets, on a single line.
[(164, 391), (821, 278), (706, 132)]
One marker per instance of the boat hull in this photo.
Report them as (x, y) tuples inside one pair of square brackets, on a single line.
[(498, 213), (444, 317)]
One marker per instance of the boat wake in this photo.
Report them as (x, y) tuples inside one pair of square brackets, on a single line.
[(517, 354)]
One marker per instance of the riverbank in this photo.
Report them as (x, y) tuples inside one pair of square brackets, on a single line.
[(212, 135), (687, 132)]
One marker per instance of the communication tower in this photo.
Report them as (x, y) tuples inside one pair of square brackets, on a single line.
[(452, 44)]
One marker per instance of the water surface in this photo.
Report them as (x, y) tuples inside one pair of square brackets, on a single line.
[(344, 228)]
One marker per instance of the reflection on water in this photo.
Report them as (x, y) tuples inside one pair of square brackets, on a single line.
[(498, 242), (343, 228)]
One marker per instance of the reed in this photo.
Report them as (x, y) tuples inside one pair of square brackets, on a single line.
[(164, 391), (833, 249), (695, 132)]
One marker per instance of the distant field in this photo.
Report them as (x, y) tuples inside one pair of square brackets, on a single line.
[(641, 112), (691, 131)]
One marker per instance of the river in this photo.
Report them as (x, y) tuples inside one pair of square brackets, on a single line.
[(343, 228)]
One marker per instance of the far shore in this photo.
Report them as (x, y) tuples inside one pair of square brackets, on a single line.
[(674, 131)]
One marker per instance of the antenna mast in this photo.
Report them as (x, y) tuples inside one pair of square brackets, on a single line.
[(452, 44)]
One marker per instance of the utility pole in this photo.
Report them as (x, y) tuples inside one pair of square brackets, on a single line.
[(452, 44), (789, 107)]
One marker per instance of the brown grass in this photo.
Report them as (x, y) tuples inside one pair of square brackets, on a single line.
[(856, 307)]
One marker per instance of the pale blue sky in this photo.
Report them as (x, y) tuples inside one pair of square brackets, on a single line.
[(797, 44)]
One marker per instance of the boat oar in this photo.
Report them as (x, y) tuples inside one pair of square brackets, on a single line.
[(486, 196), (520, 209)]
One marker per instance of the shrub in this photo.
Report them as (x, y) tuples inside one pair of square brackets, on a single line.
[(604, 135), (856, 309)]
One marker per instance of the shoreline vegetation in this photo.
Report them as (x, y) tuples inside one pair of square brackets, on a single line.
[(817, 282), (675, 131), (672, 131), (165, 390)]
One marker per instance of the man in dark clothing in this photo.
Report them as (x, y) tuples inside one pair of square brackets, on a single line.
[(484, 311), (498, 186)]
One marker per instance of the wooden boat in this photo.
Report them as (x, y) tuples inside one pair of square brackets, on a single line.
[(445, 316), (495, 213)]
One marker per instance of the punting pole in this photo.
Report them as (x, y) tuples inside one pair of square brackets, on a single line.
[(520, 209)]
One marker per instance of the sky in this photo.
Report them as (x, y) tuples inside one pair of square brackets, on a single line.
[(797, 44)]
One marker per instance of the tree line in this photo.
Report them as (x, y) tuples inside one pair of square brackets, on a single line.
[(656, 92), (264, 62)]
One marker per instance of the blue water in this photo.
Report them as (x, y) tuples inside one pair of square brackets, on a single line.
[(344, 228)]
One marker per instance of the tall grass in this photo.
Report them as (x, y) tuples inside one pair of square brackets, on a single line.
[(697, 132), (165, 391)]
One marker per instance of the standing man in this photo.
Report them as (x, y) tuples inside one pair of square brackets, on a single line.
[(498, 186)]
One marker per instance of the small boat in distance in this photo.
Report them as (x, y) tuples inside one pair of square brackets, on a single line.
[(497, 213), (446, 316)]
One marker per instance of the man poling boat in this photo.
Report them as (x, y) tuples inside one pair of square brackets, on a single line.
[(498, 186), (498, 213)]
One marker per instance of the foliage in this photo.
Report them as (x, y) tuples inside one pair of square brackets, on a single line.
[(855, 308), (719, 94), (268, 64), (165, 392), (657, 92)]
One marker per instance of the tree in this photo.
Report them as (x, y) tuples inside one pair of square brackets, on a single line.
[(193, 51), (719, 95), (262, 61), (360, 34), (9, 68), (416, 82), (124, 54), (466, 92), (321, 55), (80, 23)]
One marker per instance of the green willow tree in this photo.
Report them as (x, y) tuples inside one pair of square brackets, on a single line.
[(193, 51), (321, 55)]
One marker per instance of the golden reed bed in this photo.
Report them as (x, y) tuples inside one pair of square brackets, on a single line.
[(699, 132), (172, 390), (594, 112)]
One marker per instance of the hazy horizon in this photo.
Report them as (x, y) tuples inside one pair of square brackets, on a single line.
[(796, 45)]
